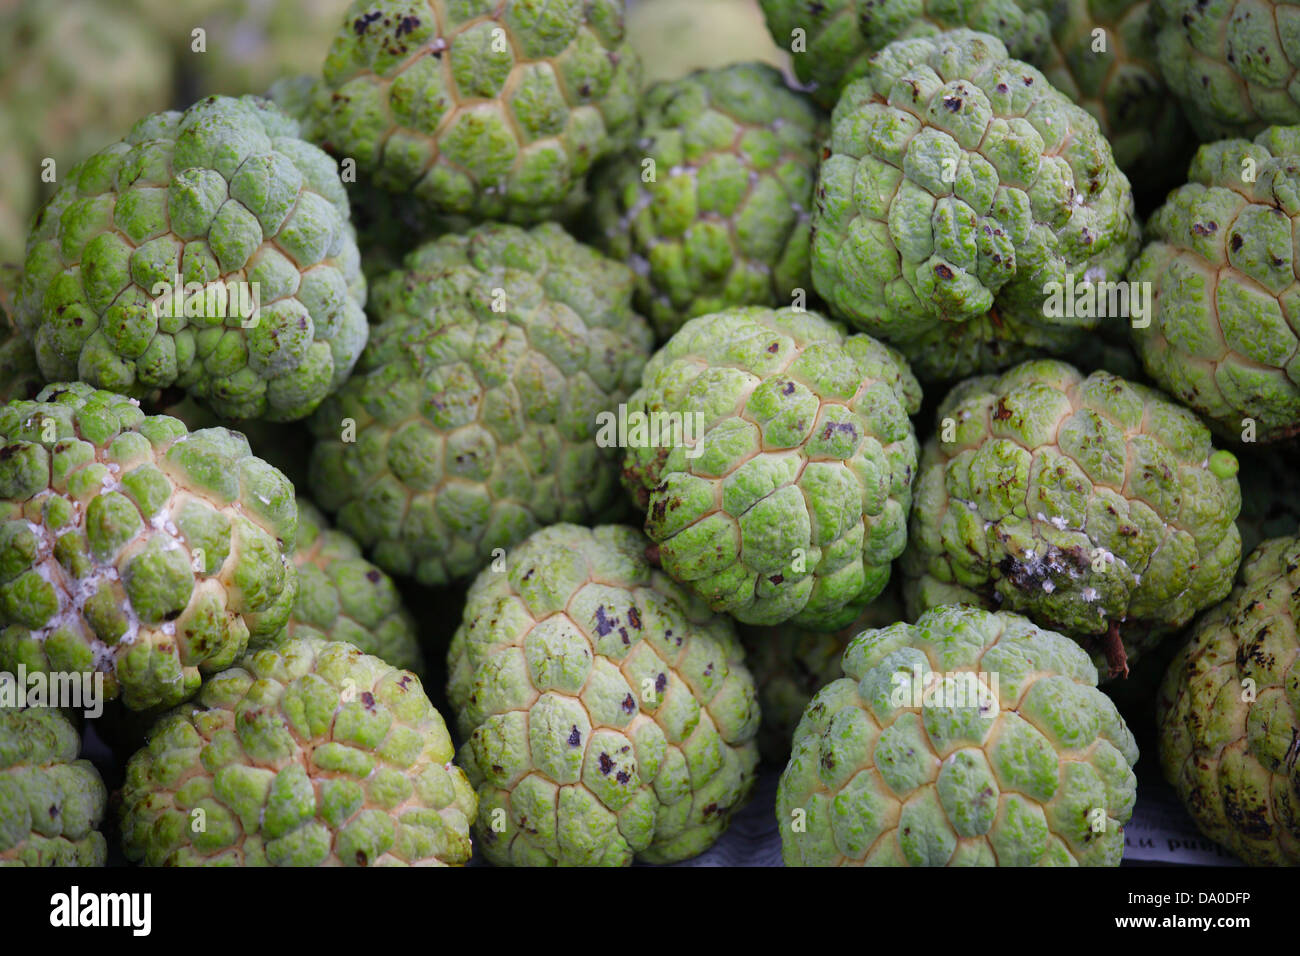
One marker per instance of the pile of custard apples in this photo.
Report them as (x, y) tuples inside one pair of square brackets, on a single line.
[(885, 400)]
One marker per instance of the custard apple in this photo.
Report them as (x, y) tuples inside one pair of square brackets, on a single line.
[(606, 715), (1094, 506), (1113, 75), (491, 108), (958, 191), (969, 739), (1229, 717), (832, 40), (310, 753), (723, 218), (1232, 63), (133, 547), (51, 803), (472, 420), (1222, 337), (774, 461), (790, 664), (227, 197), (343, 597), (19, 375)]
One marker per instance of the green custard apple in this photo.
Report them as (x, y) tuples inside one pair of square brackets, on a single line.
[(605, 714), (1114, 76), (969, 738), (1231, 63), (958, 190), (134, 547), (712, 206), (1229, 717), (255, 223), (675, 37), (343, 597), (774, 462), (832, 40), (1092, 505), (473, 417), (51, 803), (1222, 337), (310, 753), (495, 109)]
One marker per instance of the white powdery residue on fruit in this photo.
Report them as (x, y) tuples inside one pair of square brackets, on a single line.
[(1089, 594), (1049, 587)]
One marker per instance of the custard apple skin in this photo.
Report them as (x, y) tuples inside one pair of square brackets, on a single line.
[(310, 753), (605, 715), (1040, 774), (1222, 335), (224, 194), (1115, 77), (495, 110), (343, 597), (725, 220), (925, 233), (790, 664), (1228, 714), (20, 377), (787, 499), (51, 803), (840, 36), (1084, 503), (475, 406), (1231, 63), (133, 547)]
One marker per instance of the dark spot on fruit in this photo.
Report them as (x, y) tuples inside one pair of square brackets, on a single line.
[(1205, 228), (603, 623), (606, 764), (942, 271), (362, 23), (661, 682), (361, 858), (629, 704), (777, 578), (634, 617), (575, 738), (788, 388), (368, 700), (952, 104)]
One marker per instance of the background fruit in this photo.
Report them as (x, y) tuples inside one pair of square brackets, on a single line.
[(1115, 78), (308, 754), (51, 803), (1092, 505), (725, 220), (790, 664), (475, 405), (492, 109), (944, 214), (19, 376), (1228, 714), (224, 194), (133, 547), (1222, 337), (839, 36), (343, 597), (787, 499), (605, 714), (1231, 63), (1034, 769)]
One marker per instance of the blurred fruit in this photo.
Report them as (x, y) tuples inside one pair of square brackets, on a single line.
[(677, 37)]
